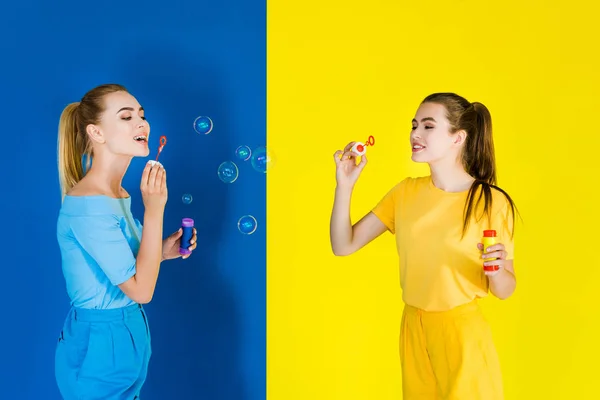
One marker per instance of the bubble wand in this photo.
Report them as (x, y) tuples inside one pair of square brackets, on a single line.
[(361, 148), (163, 141)]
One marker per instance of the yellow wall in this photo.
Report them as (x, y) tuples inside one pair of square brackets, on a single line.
[(343, 70)]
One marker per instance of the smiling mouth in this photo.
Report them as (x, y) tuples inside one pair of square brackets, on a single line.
[(141, 139), (417, 147)]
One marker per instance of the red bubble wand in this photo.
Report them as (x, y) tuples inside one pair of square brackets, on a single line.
[(360, 148), (163, 141)]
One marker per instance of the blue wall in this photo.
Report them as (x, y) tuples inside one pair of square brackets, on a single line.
[(181, 59)]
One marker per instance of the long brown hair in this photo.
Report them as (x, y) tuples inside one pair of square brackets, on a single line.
[(478, 157), (73, 141)]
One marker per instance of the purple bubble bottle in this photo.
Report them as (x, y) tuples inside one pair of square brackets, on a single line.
[(187, 224)]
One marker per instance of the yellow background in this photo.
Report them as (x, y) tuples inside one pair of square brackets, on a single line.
[(343, 70)]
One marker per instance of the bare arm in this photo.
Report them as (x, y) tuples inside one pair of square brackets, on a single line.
[(140, 287), (346, 238), (503, 284)]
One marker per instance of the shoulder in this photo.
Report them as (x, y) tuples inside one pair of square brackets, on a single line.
[(94, 206), (86, 188), (411, 182), (417, 181), (411, 185), (406, 188)]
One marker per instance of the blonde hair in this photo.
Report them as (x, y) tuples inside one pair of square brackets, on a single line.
[(73, 141)]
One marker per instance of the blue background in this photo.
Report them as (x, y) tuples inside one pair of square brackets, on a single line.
[(180, 59)]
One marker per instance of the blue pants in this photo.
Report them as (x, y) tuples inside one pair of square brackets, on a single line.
[(103, 354)]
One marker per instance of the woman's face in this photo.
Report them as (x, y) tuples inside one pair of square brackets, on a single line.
[(123, 129), (430, 138)]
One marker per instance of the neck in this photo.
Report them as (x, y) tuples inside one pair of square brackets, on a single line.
[(450, 176), (107, 172)]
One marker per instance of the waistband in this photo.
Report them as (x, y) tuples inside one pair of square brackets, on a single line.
[(105, 315), (467, 308)]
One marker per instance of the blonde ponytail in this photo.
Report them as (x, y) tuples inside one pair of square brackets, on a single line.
[(72, 145), (73, 141)]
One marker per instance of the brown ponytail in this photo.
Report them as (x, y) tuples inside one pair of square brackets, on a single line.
[(478, 156), (73, 142)]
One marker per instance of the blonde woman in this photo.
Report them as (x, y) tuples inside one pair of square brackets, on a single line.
[(109, 260)]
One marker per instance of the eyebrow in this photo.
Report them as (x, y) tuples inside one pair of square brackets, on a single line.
[(129, 109), (425, 119)]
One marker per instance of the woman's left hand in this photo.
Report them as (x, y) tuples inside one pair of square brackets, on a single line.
[(170, 248), (496, 251)]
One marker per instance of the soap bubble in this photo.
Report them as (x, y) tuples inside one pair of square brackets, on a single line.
[(228, 172), (262, 159), (247, 224), (203, 125), (243, 153), (187, 198)]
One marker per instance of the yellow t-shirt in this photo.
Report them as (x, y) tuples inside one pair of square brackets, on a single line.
[(438, 270)]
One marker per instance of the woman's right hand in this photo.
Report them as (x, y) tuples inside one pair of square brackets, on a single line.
[(347, 170), (154, 186)]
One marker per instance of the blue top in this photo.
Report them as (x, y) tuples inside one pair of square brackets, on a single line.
[(99, 240)]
